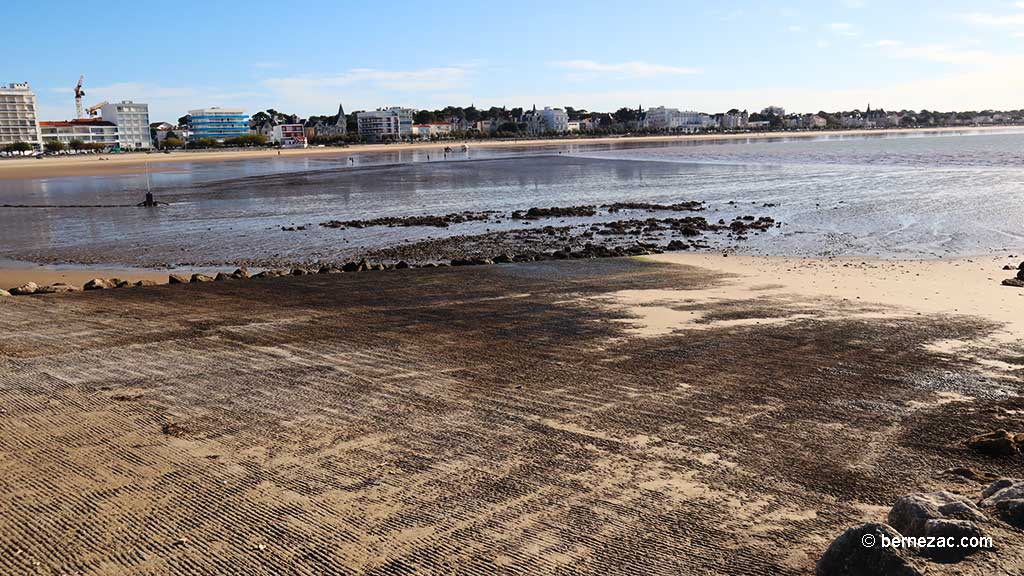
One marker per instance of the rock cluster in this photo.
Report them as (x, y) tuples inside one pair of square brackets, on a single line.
[(554, 212), (997, 443), (1018, 281), (858, 551), (426, 220)]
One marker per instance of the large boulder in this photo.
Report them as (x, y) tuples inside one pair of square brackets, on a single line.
[(142, 283), (270, 274), (1001, 490), (99, 284), (25, 289), (57, 288), (4, 293), (912, 512), (177, 279), (221, 277), (241, 273), (859, 552), (1014, 282), (199, 277), (957, 532), (997, 443)]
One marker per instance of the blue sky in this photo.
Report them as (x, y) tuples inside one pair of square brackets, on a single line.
[(306, 56)]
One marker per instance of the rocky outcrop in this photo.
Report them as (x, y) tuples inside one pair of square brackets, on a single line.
[(222, 276), (1006, 497), (957, 531), (4, 293), (240, 273), (911, 513), (554, 212), (199, 278), (57, 288), (177, 279), (99, 284), (142, 283), (25, 289), (1014, 282), (997, 443), (859, 552)]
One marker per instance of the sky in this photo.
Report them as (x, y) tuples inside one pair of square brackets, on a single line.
[(304, 57)]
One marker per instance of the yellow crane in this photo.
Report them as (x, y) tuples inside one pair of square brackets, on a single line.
[(92, 110)]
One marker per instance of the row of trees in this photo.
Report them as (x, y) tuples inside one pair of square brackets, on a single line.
[(246, 141), (54, 146)]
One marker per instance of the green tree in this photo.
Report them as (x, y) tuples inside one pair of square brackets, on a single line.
[(18, 147), (184, 120), (76, 144), (424, 117), (54, 146), (170, 142)]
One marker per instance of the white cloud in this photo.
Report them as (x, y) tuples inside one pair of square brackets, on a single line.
[(940, 53), (368, 88), (989, 20), (635, 69), (979, 88), (843, 29)]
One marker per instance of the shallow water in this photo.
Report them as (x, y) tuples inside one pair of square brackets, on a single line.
[(914, 196)]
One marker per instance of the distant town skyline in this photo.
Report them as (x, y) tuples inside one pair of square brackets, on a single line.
[(710, 57)]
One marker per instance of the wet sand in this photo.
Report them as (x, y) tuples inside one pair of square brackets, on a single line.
[(523, 418), (19, 273), (52, 167)]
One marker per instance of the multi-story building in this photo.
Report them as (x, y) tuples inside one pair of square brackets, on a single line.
[(432, 129), (87, 130), (546, 120), (217, 123), (734, 120), (19, 116), (662, 118), (385, 122), (132, 121), (289, 136)]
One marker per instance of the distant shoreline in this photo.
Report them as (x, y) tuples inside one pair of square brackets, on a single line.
[(92, 165)]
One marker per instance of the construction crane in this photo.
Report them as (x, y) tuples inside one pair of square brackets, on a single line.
[(78, 96), (92, 110)]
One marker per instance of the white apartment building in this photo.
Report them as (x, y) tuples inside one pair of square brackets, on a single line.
[(432, 129), (735, 121), (132, 122), (289, 135), (19, 116), (87, 130), (662, 118), (546, 120), (385, 122)]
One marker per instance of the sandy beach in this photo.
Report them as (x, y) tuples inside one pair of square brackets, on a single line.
[(14, 168), (670, 414)]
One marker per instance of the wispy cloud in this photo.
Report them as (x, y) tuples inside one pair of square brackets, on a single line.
[(990, 20), (430, 79), (843, 29), (368, 88), (634, 69), (941, 53)]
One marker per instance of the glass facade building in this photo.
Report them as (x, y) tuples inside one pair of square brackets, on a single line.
[(217, 123)]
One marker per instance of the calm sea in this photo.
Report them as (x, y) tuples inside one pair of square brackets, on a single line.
[(911, 196)]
